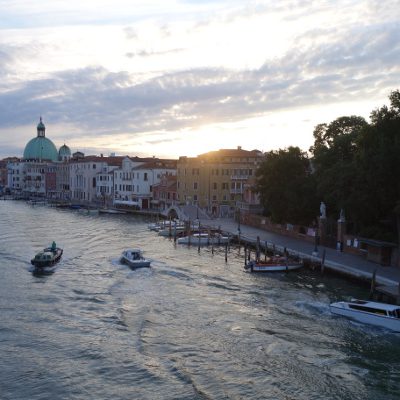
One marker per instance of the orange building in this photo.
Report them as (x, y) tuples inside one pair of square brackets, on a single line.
[(217, 181)]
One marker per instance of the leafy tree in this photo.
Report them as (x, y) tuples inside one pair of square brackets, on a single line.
[(378, 159), (286, 186), (334, 153)]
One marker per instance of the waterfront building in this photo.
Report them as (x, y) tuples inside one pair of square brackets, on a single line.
[(36, 173), (134, 181), (164, 193), (4, 171), (62, 173), (15, 176), (83, 171), (217, 181)]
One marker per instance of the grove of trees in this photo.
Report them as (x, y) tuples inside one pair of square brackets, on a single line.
[(353, 166)]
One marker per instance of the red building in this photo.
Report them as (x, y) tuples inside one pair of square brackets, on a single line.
[(164, 193)]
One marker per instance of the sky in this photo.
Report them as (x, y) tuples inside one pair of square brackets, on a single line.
[(169, 78)]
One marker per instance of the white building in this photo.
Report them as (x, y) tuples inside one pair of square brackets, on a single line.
[(83, 176), (133, 182)]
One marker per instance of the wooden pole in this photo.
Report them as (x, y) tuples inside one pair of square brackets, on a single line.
[(189, 233), (226, 252), (373, 284), (245, 255), (199, 240), (175, 231), (258, 249), (266, 250), (323, 262), (398, 295)]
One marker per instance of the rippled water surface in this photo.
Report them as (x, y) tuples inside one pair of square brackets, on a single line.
[(190, 327)]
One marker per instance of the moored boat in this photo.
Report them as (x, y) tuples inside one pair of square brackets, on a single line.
[(369, 312), (204, 239), (45, 260), (134, 258), (273, 264)]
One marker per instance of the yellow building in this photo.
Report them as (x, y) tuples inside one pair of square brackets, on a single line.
[(216, 181)]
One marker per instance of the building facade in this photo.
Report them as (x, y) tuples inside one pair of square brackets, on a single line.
[(217, 181)]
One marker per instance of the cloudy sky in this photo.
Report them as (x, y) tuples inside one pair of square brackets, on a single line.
[(181, 77)]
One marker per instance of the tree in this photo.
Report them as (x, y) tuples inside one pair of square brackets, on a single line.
[(286, 186), (378, 158), (334, 152)]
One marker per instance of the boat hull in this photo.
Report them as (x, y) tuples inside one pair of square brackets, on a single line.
[(136, 263), (383, 321), (203, 241), (134, 259), (272, 267)]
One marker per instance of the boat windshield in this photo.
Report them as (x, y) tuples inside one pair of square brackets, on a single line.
[(371, 310)]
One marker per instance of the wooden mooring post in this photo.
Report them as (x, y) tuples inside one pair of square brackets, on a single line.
[(373, 285), (323, 262)]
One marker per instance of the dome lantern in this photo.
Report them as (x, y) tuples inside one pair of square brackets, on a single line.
[(41, 129)]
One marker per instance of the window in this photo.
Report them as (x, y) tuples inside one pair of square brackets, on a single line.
[(195, 185), (215, 185), (145, 176)]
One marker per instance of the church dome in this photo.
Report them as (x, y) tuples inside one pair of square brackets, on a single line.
[(64, 152), (40, 148)]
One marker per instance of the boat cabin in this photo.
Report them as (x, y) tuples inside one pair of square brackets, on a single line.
[(375, 308)]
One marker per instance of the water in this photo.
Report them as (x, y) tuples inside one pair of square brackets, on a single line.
[(191, 327)]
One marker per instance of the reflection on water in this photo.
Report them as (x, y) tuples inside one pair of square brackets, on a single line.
[(192, 326)]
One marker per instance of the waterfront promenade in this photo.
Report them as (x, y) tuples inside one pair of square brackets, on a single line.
[(348, 264)]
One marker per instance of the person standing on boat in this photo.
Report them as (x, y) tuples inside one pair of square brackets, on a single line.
[(53, 246)]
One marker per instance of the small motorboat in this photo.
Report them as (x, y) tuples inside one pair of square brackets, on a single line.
[(45, 260), (134, 258), (273, 264), (369, 312)]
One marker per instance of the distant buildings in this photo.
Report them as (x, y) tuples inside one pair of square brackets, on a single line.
[(220, 182)]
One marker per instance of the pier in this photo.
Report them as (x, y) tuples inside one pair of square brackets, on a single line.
[(386, 280)]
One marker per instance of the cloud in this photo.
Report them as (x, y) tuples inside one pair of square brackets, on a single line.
[(327, 63), (102, 102)]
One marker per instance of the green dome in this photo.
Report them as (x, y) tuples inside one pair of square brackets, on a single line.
[(64, 153), (40, 148)]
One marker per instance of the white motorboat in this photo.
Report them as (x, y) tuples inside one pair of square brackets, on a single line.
[(134, 258), (174, 230), (369, 312), (273, 264), (204, 239)]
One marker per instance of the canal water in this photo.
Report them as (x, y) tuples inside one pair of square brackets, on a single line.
[(190, 327)]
